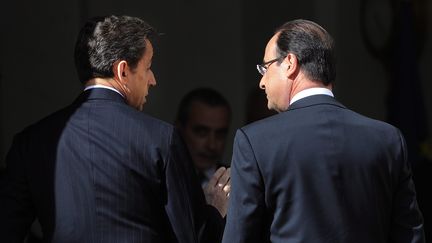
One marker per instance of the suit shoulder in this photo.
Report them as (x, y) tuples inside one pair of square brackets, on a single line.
[(143, 118), (107, 113), (373, 123), (266, 123), (50, 121)]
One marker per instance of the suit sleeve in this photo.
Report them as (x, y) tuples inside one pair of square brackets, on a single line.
[(190, 217), (245, 219), (407, 221), (16, 208)]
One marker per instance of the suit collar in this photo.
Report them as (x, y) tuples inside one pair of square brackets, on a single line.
[(100, 94), (315, 100), (101, 86)]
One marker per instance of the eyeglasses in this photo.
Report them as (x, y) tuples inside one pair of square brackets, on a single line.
[(262, 68)]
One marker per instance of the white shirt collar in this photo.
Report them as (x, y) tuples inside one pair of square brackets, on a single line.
[(309, 92), (100, 86)]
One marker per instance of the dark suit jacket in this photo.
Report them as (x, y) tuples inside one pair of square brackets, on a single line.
[(101, 171), (321, 173)]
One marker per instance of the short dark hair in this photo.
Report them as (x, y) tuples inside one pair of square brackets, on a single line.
[(206, 96), (313, 47), (104, 40)]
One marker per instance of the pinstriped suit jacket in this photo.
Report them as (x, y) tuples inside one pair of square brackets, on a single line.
[(100, 171), (320, 173)]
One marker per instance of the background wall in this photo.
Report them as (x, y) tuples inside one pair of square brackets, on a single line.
[(206, 43)]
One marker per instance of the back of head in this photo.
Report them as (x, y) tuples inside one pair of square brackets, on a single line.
[(104, 40), (313, 47), (206, 96)]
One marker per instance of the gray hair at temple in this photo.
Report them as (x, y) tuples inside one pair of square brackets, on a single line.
[(104, 40)]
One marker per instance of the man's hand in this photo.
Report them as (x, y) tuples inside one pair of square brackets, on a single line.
[(218, 189)]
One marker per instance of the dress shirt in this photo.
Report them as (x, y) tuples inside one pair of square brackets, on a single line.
[(100, 86), (309, 92)]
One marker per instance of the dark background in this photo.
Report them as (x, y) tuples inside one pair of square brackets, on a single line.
[(216, 44), (384, 52)]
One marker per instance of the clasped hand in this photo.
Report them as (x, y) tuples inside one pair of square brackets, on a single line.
[(218, 189)]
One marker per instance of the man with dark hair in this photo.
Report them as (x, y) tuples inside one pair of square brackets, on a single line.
[(100, 170), (203, 121), (317, 171)]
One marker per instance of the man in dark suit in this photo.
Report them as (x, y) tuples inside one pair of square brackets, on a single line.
[(100, 170), (317, 171), (203, 120)]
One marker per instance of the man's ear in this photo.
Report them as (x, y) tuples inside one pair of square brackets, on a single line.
[(119, 70), (292, 65), (121, 75)]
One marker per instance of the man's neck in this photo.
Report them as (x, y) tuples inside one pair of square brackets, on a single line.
[(107, 82), (302, 83)]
